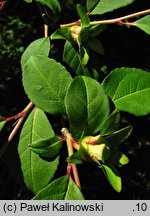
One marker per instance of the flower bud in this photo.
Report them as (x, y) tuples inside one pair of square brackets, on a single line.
[(75, 31)]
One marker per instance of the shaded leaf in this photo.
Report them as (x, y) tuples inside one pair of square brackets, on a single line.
[(91, 4), (105, 6), (119, 136), (84, 36), (2, 122), (85, 21), (96, 30), (111, 124), (47, 147), (62, 188), (72, 58), (144, 24), (53, 5), (37, 172), (87, 106), (130, 91), (38, 47), (45, 82), (95, 45), (75, 158), (112, 176)]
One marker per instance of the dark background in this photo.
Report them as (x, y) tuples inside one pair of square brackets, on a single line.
[(20, 24)]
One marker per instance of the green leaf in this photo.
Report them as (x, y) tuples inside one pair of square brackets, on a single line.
[(123, 159), (129, 89), (2, 122), (72, 58), (111, 124), (37, 172), (85, 21), (84, 36), (84, 56), (62, 188), (46, 82), (95, 45), (144, 24), (112, 176), (97, 30), (62, 33), (91, 4), (38, 47), (105, 6), (118, 158), (119, 136), (47, 147), (53, 5), (87, 106), (28, 1)]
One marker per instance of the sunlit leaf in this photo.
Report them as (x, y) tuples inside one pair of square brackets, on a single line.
[(129, 89), (46, 82), (38, 47), (112, 176), (62, 188), (37, 172), (105, 6), (144, 24), (87, 106)]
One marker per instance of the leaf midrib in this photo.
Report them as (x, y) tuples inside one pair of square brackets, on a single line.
[(129, 95)]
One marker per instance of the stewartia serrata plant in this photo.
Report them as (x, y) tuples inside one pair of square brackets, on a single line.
[(90, 127)]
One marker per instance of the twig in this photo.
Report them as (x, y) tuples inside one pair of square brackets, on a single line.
[(16, 128), (45, 19), (111, 21), (70, 141)]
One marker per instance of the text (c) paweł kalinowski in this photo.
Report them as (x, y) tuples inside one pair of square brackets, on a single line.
[(62, 207)]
